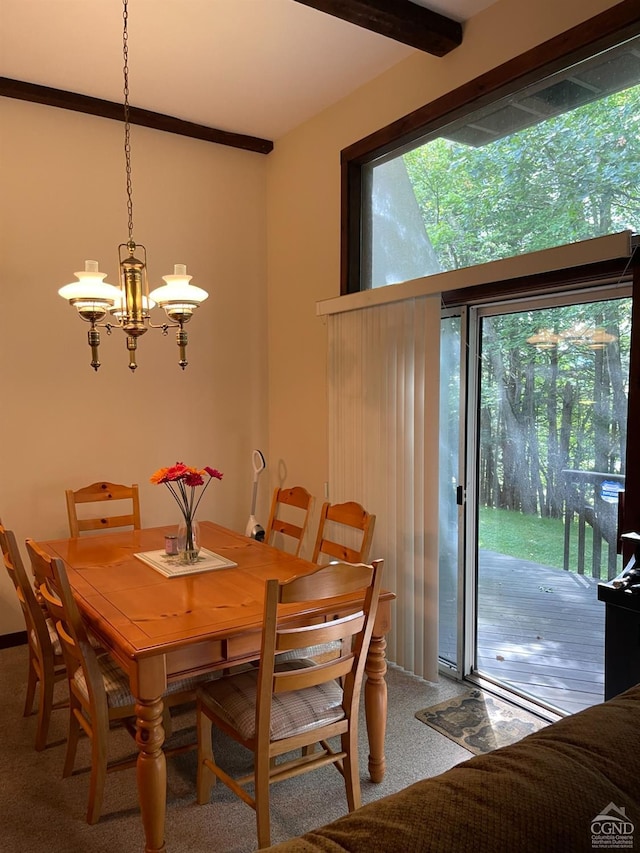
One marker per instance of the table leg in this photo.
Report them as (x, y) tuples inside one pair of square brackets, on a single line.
[(375, 706), (151, 773)]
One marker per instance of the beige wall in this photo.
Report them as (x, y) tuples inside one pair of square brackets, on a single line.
[(258, 353), (62, 199), (303, 214)]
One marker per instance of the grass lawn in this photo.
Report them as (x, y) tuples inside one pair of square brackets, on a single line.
[(531, 538)]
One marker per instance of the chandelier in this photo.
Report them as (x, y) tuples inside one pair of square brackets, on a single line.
[(129, 306), (580, 334)]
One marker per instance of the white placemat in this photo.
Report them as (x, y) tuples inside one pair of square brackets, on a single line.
[(171, 567)]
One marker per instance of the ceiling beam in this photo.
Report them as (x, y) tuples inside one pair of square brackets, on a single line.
[(401, 20), (145, 118)]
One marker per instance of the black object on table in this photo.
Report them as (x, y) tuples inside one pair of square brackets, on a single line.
[(622, 626)]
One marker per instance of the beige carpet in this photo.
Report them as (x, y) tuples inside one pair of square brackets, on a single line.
[(40, 811), (480, 722)]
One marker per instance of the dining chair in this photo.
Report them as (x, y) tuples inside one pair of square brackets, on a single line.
[(99, 693), (344, 521), (46, 664), (339, 527), (289, 522), (100, 493), (293, 707)]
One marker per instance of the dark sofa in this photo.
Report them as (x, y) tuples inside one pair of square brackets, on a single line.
[(572, 787)]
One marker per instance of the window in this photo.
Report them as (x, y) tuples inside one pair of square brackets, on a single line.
[(551, 161)]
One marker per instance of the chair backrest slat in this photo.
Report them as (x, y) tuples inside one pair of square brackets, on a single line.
[(299, 679), (288, 639), (334, 582), (302, 501), (102, 493), (353, 519)]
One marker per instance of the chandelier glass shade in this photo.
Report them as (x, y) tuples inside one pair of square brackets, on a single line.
[(580, 334), (129, 305)]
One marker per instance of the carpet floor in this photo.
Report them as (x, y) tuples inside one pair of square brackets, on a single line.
[(39, 810)]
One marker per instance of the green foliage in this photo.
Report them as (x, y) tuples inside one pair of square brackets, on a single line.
[(543, 411), (569, 178)]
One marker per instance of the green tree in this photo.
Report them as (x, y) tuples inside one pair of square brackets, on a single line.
[(544, 411), (566, 179)]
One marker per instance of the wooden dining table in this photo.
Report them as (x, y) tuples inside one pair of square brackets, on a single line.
[(159, 629)]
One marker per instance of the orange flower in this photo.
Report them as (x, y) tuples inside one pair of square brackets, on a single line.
[(180, 477), (160, 476)]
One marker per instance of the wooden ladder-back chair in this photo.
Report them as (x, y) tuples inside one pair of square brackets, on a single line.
[(46, 663), (280, 521), (99, 693), (351, 516), (290, 707), (100, 493)]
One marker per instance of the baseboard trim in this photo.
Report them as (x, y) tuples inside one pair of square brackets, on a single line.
[(18, 638)]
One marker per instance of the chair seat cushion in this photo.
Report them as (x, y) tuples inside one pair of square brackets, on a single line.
[(233, 699), (323, 651), (55, 639), (116, 683), (53, 636)]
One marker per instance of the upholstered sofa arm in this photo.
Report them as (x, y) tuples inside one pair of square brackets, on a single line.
[(539, 795)]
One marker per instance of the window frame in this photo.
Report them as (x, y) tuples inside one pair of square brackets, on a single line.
[(599, 33)]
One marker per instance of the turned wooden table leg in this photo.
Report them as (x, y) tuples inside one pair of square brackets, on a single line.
[(375, 706), (151, 773)]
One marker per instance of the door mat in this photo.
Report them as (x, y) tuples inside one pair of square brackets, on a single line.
[(480, 722)]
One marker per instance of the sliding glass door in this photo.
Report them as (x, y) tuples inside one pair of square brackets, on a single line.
[(545, 419)]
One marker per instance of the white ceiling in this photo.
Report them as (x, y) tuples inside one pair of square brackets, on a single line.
[(258, 67)]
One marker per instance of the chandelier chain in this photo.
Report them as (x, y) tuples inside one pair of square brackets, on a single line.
[(127, 127)]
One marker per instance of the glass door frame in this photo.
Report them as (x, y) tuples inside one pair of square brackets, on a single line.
[(451, 668), (476, 313), (628, 284)]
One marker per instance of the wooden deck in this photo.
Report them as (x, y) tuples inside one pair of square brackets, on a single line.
[(541, 631)]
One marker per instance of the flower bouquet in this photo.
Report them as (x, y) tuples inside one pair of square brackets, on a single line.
[(182, 481)]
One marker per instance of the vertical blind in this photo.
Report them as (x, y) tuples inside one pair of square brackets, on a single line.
[(383, 381)]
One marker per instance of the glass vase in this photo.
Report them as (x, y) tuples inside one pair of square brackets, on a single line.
[(188, 541)]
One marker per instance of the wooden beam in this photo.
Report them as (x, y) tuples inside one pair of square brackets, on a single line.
[(145, 118), (400, 20)]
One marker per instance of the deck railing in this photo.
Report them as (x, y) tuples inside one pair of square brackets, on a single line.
[(592, 497)]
